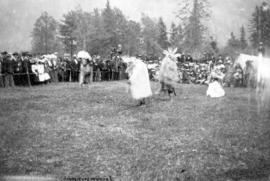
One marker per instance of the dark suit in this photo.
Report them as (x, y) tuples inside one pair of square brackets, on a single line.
[(8, 71), (1, 75)]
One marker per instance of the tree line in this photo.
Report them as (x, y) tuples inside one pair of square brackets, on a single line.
[(100, 30), (259, 31)]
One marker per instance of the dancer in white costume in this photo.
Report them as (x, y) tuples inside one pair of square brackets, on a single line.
[(139, 83), (215, 88)]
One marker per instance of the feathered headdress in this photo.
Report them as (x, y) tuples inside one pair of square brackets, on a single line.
[(171, 53)]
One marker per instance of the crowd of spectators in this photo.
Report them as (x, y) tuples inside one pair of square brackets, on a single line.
[(17, 69), (198, 71), (25, 69)]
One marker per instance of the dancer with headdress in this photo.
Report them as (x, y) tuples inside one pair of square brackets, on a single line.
[(86, 70), (168, 73)]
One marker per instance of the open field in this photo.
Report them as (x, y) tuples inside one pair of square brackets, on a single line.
[(64, 130)]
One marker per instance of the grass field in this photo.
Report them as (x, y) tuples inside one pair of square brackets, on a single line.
[(63, 130)]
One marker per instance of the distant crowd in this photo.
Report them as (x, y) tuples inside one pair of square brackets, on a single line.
[(24, 69), (198, 72)]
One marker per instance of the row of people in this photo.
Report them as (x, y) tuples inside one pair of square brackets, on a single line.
[(17, 69), (24, 69)]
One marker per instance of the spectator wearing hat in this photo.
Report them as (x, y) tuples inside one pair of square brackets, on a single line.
[(238, 76), (8, 70), (75, 68), (18, 69), (261, 49), (250, 75), (86, 71), (26, 68), (99, 65), (105, 70), (1, 75)]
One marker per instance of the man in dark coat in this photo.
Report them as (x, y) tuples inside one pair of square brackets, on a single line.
[(26, 68), (75, 69), (62, 68), (1, 75), (17, 69), (105, 70), (98, 68), (8, 70)]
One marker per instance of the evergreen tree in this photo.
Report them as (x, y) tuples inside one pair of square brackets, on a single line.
[(243, 41), (234, 42), (44, 35), (260, 26), (68, 31), (109, 25), (233, 47), (174, 35), (133, 38), (96, 38), (192, 15), (150, 34), (176, 38), (162, 36)]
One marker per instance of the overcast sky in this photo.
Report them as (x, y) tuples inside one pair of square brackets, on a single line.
[(18, 16)]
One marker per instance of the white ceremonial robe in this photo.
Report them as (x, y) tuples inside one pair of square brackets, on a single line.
[(215, 90), (139, 80)]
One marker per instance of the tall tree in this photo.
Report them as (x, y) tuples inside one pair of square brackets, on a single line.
[(243, 41), (192, 16), (150, 34), (162, 34), (96, 39), (109, 24), (176, 38), (121, 26), (44, 35), (133, 38), (83, 28), (260, 26), (233, 47), (234, 42), (68, 31)]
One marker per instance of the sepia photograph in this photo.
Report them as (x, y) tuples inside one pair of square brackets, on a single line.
[(134, 90)]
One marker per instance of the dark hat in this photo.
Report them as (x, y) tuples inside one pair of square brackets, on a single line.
[(26, 54), (15, 54), (4, 53)]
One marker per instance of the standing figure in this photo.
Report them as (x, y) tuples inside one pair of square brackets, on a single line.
[(139, 83), (8, 70), (86, 70), (1, 75), (215, 88), (168, 73)]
